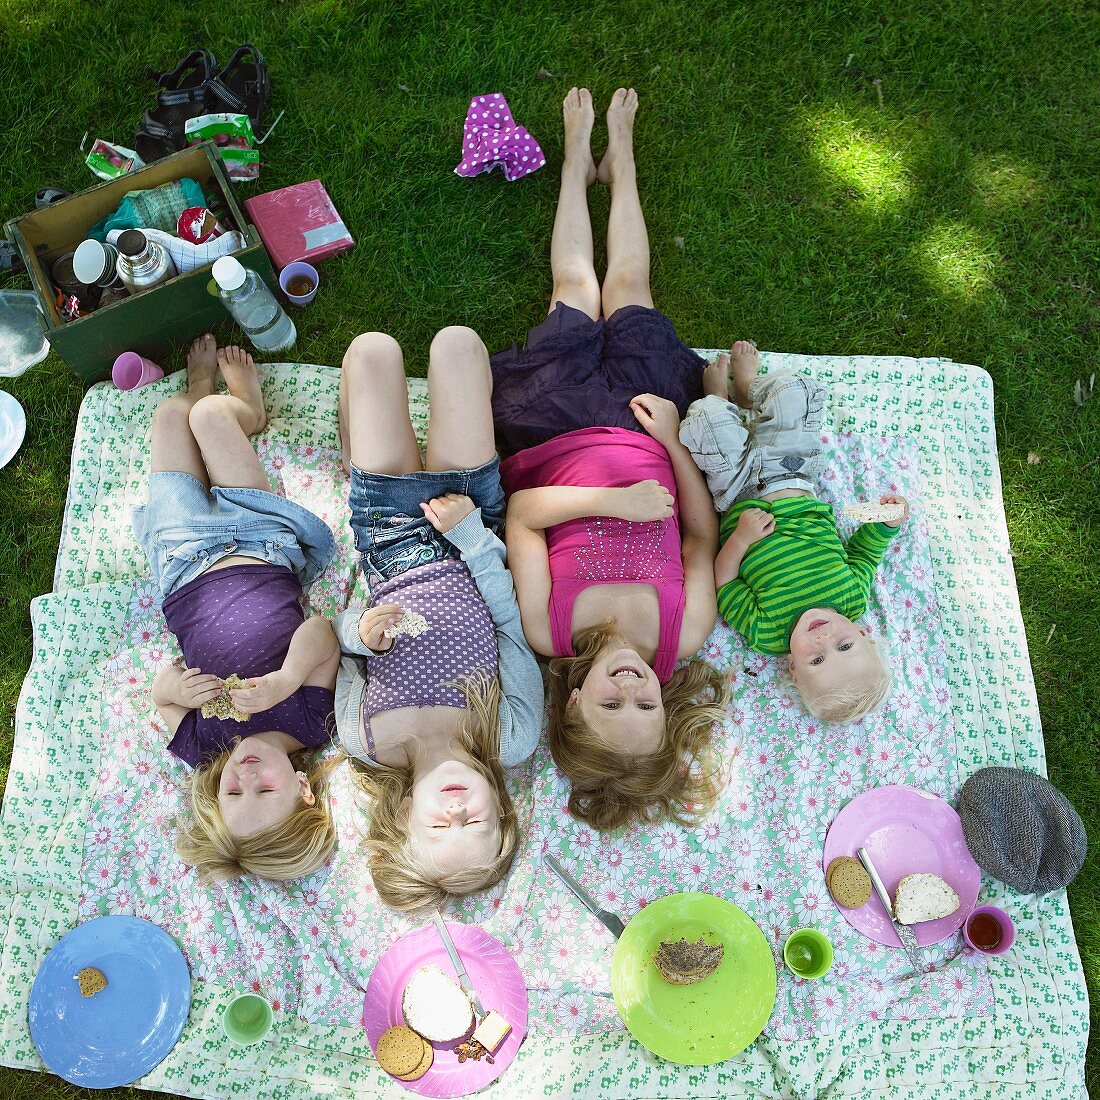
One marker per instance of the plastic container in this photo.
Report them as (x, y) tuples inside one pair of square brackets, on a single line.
[(22, 332), (253, 306)]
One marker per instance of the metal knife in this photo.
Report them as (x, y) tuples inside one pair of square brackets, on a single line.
[(456, 962), (906, 934), (611, 922)]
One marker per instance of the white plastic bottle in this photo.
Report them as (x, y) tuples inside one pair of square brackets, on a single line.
[(253, 306)]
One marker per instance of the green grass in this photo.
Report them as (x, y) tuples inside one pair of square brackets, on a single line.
[(845, 176)]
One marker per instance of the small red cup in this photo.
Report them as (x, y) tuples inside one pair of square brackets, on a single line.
[(1003, 922)]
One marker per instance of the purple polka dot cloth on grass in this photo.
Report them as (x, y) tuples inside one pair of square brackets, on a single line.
[(490, 136)]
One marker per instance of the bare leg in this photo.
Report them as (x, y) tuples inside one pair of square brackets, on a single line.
[(627, 280), (571, 256), (173, 445), (375, 430), (222, 424), (460, 389)]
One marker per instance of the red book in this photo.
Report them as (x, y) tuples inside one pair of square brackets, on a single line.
[(299, 223)]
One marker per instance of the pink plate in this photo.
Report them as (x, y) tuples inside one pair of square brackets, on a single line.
[(496, 979), (905, 831)]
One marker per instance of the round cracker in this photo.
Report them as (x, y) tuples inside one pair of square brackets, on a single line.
[(400, 1050), (848, 882), (425, 1065)]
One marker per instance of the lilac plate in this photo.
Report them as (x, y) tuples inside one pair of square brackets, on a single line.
[(496, 978), (905, 831)]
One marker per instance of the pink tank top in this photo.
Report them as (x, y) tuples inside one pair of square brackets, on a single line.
[(598, 550)]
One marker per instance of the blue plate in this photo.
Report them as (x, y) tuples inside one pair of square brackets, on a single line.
[(122, 1032)]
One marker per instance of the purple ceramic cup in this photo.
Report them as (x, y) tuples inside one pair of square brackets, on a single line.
[(1008, 929)]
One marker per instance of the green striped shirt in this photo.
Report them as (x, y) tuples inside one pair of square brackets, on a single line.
[(801, 564)]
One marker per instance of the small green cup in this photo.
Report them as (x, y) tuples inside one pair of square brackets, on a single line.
[(247, 1018), (808, 953)]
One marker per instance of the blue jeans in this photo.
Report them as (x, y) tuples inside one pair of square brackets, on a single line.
[(392, 534), (778, 448), (185, 528)]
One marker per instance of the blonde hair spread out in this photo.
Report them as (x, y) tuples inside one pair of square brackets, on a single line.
[(296, 846), (857, 696), (611, 789), (401, 875)]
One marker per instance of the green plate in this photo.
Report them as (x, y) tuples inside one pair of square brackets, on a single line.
[(708, 1021)]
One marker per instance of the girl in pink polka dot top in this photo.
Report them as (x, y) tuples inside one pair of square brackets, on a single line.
[(439, 691)]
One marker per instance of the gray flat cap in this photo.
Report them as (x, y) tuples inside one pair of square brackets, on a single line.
[(1022, 830)]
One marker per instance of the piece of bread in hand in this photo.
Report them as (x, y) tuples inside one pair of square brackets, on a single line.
[(870, 511), (923, 897)]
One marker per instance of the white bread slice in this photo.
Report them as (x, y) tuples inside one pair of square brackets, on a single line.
[(435, 1007), (923, 897)]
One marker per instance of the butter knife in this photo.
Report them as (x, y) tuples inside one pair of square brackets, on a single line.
[(456, 962), (906, 934), (609, 920)]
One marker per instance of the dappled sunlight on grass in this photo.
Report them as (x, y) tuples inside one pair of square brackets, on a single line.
[(856, 158), (1002, 183), (957, 259)]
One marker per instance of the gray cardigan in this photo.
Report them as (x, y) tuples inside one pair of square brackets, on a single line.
[(521, 705)]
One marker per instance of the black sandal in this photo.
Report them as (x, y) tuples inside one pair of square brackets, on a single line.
[(242, 87), (182, 93)]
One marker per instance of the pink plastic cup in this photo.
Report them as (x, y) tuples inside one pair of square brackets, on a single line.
[(1008, 929), (132, 370)]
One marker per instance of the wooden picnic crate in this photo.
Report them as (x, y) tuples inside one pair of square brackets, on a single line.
[(152, 321)]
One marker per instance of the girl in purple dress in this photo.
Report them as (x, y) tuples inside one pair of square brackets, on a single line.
[(232, 560)]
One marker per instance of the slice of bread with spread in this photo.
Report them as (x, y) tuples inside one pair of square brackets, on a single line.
[(923, 897), (435, 1007)]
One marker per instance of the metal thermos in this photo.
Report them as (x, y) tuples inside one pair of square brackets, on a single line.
[(142, 263)]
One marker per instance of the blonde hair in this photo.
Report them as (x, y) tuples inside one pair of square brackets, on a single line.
[(611, 789), (293, 847), (402, 876), (857, 696)]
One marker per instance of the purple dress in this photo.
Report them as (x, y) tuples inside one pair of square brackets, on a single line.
[(241, 619), (579, 373)]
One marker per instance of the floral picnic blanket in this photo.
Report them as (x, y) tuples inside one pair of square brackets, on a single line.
[(104, 811)]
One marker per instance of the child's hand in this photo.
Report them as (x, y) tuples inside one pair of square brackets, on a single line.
[(448, 511), (263, 692), (658, 416), (373, 623), (893, 498), (196, 687), (642, 501), (753, 525)]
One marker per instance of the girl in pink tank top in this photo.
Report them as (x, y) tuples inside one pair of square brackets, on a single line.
[(611, 531)]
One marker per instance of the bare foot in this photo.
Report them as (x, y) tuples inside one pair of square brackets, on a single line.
[(578, 117), (202, 362), (744, 362), (241, 377), (716, 377), (620, 134)]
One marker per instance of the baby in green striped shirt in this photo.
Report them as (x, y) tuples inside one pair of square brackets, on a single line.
[(784, 578)]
